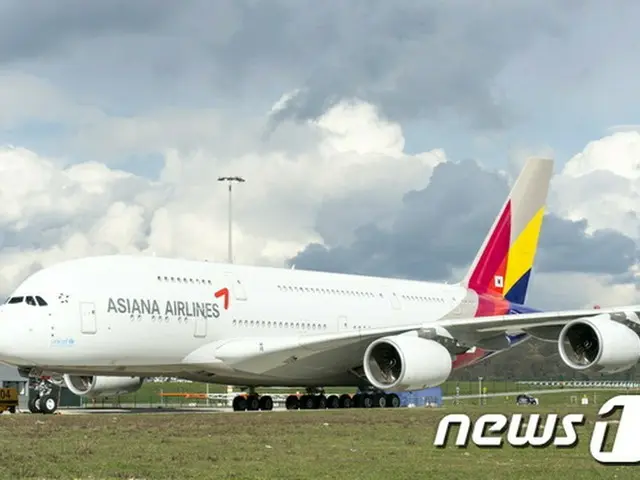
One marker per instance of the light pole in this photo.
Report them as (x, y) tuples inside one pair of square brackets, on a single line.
[(230, 181)]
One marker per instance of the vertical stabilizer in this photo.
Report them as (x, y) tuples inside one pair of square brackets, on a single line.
[(503, 264)]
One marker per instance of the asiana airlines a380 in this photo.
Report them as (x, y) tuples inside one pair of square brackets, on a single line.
[(100, 325)]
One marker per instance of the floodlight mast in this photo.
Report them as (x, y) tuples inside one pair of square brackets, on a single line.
[(230, 181)]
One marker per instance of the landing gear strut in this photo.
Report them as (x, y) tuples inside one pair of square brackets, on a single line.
[(45, 399)]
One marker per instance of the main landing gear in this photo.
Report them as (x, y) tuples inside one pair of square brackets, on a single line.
[(359, 400), (45, 399), (317, 400), (252, 402)]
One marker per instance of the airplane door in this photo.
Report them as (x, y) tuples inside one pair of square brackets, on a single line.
[(88, 322), (201, 325), (395, 301), (343, 323), (457, 307), (237, 288)]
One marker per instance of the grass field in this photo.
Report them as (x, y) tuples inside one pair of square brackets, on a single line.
[(372, 444)]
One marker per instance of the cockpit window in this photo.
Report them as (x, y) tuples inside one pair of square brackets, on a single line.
[(30, 300)]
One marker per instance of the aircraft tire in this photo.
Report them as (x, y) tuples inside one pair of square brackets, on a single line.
[(367, 400), (345, 401), (266, 403), (33, 408), (307, 402), (320, 402), (239, 403), (48, 404), (393, 400), (333, 402), (292, 402), (379, 400), (253, 403)]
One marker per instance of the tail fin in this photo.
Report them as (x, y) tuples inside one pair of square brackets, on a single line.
[(503, 264)]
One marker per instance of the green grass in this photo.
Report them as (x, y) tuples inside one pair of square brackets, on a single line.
[(373, 444)]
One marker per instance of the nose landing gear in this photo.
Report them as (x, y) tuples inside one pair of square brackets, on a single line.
[(43, 397)]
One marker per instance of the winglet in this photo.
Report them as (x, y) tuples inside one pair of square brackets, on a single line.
[(503, 264)]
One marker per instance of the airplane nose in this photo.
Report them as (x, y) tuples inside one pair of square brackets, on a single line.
[(6, 342), (25, 335), (14, 338)]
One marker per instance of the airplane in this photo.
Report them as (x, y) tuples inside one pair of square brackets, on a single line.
[(100, 325)]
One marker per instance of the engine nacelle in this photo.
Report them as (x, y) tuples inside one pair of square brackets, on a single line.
[(599, 344), (402, 362), (101, 386)]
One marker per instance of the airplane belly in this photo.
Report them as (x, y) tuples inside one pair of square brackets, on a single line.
[(311, 366), (336, 380)]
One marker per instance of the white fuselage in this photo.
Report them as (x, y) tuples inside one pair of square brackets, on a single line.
[(127, 315)]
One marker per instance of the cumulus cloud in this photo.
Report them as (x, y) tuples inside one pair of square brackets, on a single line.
[(440, 227), (51, 210), (601, 184), (425, 239), (436, 232), (348, 199)]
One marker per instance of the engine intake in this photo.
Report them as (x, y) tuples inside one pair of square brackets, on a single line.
[(102, 386), (404, 362), (598, 344)]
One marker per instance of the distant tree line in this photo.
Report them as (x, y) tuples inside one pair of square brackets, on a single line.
[(534, 360)]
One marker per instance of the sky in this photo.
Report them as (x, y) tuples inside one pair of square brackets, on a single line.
[(375, 137)]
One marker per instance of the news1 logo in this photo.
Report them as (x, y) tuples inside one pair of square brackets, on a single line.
[(624, 450)]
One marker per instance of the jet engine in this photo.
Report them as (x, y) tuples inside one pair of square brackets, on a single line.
[(101, 386), (402, 362), (598, 344)]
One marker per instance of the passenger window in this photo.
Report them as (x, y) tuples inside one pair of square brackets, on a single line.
[(15, 300), (31, 301), (41, 301)]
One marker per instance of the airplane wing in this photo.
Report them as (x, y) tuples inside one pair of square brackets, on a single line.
[(344, 350), (531, 321), (261, 355)]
